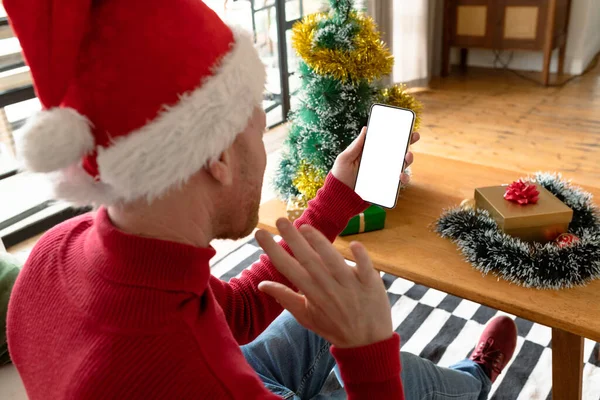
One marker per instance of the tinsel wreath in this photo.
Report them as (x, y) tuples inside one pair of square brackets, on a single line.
[(542, 266)]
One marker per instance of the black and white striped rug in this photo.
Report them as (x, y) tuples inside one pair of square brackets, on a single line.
[(445, 328)]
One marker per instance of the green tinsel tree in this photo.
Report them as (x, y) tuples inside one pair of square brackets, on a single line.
[(343, 59)]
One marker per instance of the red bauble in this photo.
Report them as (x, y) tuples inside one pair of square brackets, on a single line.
[(566, 239), (522, 193)]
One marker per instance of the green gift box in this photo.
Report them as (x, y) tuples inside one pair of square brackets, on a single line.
[(372, 219)]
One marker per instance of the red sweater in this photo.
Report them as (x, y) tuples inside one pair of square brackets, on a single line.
[(100, 314)]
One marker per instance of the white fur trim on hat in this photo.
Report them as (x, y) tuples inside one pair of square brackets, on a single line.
[(184, 137), (54, 139)]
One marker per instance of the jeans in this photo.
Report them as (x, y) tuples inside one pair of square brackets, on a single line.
[(295, 363)]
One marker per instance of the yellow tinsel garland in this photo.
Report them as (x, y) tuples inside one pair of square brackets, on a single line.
[(398, 97), (308, 180), (370, 58)]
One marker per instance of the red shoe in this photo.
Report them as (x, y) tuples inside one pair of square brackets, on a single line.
[(496, 346)]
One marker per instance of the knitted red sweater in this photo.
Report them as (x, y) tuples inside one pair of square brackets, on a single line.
[(100, 314)]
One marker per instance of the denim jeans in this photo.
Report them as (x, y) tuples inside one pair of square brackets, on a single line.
[(295, 363)]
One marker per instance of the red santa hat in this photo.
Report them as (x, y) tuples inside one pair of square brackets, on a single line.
[(137, 95)]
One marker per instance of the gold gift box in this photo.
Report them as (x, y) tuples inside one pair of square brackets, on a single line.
[(541, 222)]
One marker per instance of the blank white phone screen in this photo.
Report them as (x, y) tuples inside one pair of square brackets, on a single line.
[(385, 147)]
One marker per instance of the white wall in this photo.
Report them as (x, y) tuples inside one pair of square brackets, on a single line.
[(583, 42), (591, 41), (410, 46)]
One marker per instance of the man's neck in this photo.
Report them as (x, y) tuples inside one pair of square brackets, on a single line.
[(181, 219)]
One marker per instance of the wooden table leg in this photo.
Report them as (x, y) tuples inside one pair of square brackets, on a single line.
[(464, 59), (548, 42), (445, 60), (567, 365), (447, 34), (561, 59)]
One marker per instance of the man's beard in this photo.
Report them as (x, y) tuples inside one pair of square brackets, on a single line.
[(232, 230), (252, 220)]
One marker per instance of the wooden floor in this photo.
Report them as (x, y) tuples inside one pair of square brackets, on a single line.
[(494, 118)]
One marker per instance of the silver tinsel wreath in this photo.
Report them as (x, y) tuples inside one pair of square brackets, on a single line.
[(543, 266)]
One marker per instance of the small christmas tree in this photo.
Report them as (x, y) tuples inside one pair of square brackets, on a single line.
[(343, 58)]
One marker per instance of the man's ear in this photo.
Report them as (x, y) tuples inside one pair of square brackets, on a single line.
[(221, 169)]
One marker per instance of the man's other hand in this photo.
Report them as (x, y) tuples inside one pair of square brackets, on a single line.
[(345, 305)]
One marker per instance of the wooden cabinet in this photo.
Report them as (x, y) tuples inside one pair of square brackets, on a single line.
[(539, 25)]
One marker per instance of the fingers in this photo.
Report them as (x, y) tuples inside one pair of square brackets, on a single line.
[(293, 302), (353, 151), (300, 247), (284, 262), (408, 159), (364, 265), (305, 254), (332, 259), (404, 179), (416, 136)]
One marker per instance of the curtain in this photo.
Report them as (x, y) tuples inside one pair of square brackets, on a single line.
[(381, 11), (412, 29)]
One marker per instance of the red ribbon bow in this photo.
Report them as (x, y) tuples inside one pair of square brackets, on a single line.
[(522, 193)]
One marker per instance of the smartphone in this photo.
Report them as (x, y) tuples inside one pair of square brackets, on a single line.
[(388, 136)]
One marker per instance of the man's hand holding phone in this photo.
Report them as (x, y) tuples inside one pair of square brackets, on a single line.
[(346, 164)]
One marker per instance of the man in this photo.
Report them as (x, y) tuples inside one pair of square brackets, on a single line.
[(152, 110)]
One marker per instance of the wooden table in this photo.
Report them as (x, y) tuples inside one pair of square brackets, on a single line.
[(409, 248)]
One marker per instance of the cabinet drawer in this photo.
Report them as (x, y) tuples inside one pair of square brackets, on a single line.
[(502, 24), (473, 23), (522, 24)]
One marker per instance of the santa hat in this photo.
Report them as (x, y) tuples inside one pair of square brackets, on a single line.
[(137, 95)]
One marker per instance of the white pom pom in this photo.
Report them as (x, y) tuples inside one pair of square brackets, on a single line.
[(54, 139)]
